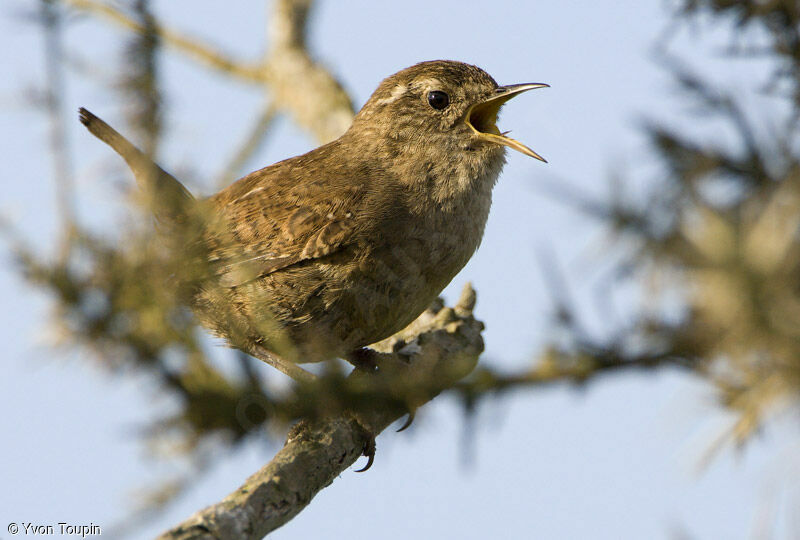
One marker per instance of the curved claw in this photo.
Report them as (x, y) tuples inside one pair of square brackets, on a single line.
[(370, 459), (369, 452), (408, 422)]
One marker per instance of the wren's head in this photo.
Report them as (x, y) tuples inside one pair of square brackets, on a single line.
[(440, 110)]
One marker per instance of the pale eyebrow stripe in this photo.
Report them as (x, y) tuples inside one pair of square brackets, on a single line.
[(396, 93)]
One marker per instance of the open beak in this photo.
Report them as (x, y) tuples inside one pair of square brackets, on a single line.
[(482, 117)]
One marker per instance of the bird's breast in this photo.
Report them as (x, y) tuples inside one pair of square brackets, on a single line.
[(418, 253)]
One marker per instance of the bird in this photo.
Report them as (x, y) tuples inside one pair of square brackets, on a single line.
[(320, 255)]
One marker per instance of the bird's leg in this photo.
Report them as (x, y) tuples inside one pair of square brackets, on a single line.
[(366, 359), (284, 366)]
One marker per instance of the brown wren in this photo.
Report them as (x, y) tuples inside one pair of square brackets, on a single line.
[(322, 254)]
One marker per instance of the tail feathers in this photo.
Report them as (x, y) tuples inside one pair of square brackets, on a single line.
[(170, 200)]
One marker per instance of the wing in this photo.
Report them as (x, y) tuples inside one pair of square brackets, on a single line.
[(282, 215)]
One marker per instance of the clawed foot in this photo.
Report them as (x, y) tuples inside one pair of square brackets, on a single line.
[(365, 359), (369, 452)]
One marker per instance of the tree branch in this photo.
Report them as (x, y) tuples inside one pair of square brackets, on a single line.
[(301, 85), (195, 48), (298, 83), (51, 18), (250, 144), (438, 350)]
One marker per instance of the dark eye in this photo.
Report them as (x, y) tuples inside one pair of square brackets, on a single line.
[(438, 99)]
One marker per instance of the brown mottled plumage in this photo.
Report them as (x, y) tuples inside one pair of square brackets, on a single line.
[(347, 244)]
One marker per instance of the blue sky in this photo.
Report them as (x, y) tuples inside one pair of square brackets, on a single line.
[(618, 459)]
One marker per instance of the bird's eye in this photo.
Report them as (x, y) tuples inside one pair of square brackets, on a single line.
[(438, 99)]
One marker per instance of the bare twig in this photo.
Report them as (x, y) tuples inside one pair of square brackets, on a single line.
[(299, 84), (139, 80), (249, 146), (193, 47), (62, 167), (579, 368)]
